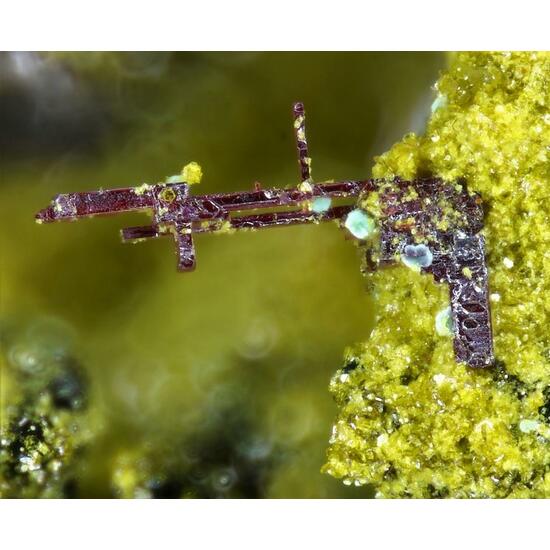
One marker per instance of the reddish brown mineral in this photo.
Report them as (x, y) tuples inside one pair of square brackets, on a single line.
[(428, 224)]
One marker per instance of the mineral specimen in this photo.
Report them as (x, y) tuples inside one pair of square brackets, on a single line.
[(412, 422), (43, 422), (432, 224)]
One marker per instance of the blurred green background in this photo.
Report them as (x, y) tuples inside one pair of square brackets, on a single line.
[(225, 368)]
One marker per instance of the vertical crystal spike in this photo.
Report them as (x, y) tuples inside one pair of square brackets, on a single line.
[(304, 160)]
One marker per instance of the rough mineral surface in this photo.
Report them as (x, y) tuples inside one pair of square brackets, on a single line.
[(411, 421), (43, 397)]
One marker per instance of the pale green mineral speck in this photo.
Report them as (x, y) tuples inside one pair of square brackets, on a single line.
[(359, 224), (528, 425), (320, 205), (439, 103), (178, 178), (454, 431), (417, 256), (444, 322)]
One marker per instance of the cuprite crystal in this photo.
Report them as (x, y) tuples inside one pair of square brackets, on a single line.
[(452, 431), (430, 224)]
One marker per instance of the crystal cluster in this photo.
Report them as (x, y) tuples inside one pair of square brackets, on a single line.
[(412, 422), (43, 410)]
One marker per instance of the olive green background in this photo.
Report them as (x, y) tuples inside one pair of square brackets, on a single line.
[(262, 323)]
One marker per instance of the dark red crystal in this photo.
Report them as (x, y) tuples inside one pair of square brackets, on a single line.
[(442, 216)]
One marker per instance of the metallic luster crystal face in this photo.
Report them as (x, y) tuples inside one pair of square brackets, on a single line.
[(444, 219), (428, 224), (304, 159)]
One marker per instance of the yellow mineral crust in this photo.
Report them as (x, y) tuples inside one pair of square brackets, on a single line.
[(192, 173), (411, 421)]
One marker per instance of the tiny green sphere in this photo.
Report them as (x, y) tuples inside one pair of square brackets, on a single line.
[(359, 224), (417, 256), (444, 325), (440, 102), (320, 205)]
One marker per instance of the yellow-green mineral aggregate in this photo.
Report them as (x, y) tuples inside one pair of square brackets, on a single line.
[(42, 424), (411, 421)]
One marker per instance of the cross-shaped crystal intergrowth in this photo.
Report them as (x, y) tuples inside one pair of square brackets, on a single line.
[(427, 224)]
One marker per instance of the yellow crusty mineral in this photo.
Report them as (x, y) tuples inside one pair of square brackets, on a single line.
[(412, 422), (192, 173)]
